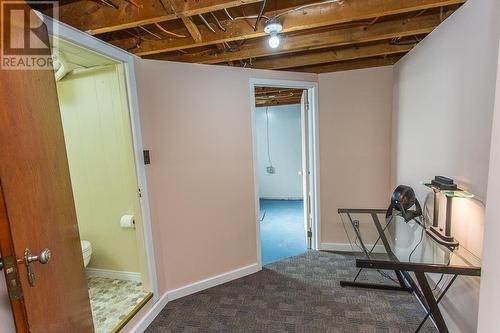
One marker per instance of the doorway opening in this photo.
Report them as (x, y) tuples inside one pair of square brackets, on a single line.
[(284, 156), (98, 135)]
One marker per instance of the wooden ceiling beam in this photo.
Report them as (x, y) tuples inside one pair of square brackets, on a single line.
[(193, 29), (277, 102), (97, 19), (332, 38), (308, 18), (349, 65), (329, 56), (272, 96)]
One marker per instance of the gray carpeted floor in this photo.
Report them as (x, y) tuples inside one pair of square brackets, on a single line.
[(298, 294)]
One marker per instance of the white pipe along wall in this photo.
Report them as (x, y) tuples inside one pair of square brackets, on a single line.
[(279, 144)]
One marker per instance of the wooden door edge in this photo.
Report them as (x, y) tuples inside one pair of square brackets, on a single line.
[(7, 250)]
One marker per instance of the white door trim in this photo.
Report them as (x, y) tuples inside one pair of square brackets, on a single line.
[(82, 39), (312, 88)]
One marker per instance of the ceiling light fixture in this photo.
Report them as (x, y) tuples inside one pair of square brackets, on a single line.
[(273, 28)]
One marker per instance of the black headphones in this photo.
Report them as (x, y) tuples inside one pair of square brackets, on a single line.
[(402, 199)]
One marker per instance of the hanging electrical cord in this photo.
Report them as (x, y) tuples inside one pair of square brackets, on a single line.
[(261, 11), (270, 168)]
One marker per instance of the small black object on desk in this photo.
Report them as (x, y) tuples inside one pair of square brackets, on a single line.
[(402, 199)]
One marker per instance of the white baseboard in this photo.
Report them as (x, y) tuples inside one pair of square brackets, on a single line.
[(281, 198), (346, 247), (189, 289), (148, 318), (110, 274), (212, 282)]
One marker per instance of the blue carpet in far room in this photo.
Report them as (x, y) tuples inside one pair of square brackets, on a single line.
[(282, 231)]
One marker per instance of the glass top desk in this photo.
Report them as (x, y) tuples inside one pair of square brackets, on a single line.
[(393, 244)]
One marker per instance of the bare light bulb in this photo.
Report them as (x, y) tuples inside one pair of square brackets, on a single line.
[(274, 41)]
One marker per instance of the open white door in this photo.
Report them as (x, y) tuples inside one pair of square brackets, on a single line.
[(306, 170)]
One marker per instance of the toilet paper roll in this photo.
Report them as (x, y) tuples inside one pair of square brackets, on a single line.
[(127, 221)]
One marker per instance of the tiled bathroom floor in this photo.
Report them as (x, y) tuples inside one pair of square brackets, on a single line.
[(112, 300)]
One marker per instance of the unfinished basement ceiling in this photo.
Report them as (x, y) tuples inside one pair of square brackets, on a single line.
[(273, 96), (317, 37)]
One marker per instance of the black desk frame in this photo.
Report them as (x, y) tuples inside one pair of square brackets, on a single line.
[(402, 269)]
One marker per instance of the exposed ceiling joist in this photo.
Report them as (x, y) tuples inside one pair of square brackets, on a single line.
[(349, 65), (193, 29), (271, 96), (308, 18), (318, 35), (332, 55), (96, 19), (365, 33)]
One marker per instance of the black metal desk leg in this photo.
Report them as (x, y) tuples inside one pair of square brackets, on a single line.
[(438, 300), (431, 302)]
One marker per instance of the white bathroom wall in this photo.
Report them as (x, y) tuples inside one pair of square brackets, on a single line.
[(285, 148), (98, 140), (6, 320)]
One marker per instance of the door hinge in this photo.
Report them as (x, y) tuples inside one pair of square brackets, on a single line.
[(12, 277), (309, 204), (309, 238)]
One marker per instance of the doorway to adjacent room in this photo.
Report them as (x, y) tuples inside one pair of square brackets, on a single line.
[(284, 156)]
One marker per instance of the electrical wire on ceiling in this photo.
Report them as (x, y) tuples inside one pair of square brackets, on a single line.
[(110, 3), (306, 6), (228, 15), (217, 22), (162, 29), (205, 22), (249, 17), (261, 11), (150, 32)]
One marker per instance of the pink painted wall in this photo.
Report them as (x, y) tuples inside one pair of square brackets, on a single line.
[(489, 300), (443, 109), (355, 146), (196, 121)]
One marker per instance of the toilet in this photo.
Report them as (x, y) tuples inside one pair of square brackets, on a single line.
[(87, 251)]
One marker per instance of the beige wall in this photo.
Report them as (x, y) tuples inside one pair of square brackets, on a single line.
[(196, 121), (443, 107), (355, 144), (489, 301), (98, 140)]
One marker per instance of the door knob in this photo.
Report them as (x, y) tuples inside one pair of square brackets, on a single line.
[(42, 258), (29, 259)]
